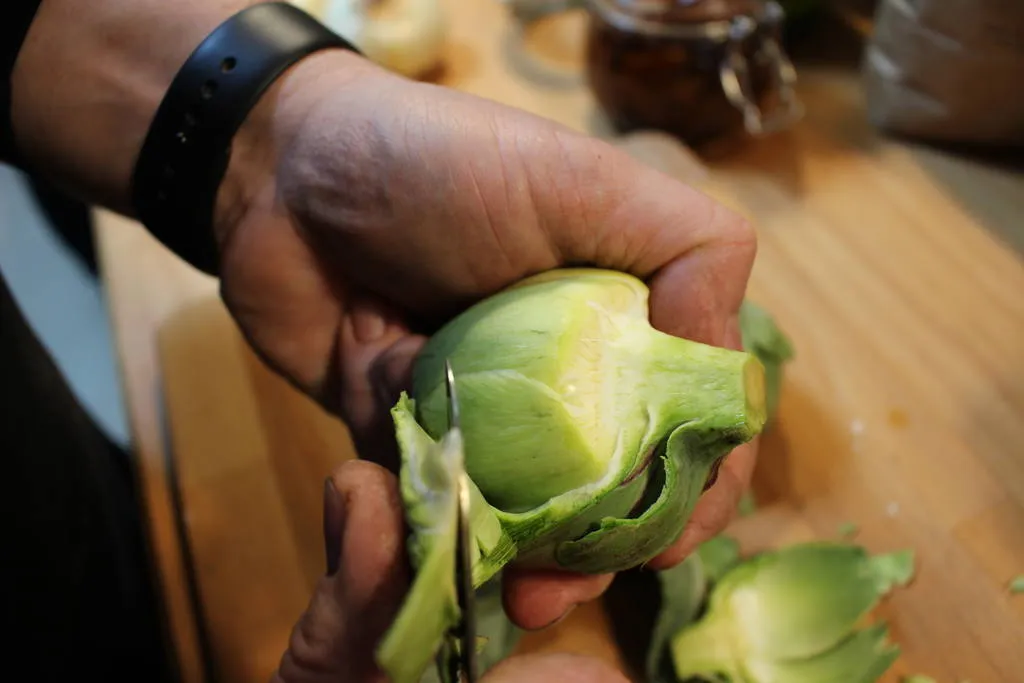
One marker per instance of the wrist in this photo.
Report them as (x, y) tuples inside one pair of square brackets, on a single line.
[(271, 127)]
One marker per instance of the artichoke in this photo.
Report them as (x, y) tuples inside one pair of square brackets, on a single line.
[(588, 438)]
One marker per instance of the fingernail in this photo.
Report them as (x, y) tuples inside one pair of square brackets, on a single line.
[(713, 475), (334, 525), (368, 323)]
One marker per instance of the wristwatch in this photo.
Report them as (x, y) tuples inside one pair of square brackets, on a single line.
[(187, 148)]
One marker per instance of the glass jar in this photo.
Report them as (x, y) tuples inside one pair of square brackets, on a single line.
[(701, 70)]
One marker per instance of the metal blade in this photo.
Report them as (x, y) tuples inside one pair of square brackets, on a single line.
[(466, 628)]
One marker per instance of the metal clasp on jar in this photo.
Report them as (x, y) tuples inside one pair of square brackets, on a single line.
[(736, 81)]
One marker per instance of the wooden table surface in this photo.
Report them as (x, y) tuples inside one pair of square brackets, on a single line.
[(895, 269)]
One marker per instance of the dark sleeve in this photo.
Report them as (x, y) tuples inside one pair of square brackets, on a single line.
[(15, 18)]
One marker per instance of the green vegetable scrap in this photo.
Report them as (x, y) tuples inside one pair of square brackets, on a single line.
[(589, 436), (847, 530), (747, 505), (917, 679), (791, 616), (683, 591), (763, 338), (1017, 584), (787, 616), (718, 555)]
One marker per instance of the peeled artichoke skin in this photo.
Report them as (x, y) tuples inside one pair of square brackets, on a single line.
[(791, 615)]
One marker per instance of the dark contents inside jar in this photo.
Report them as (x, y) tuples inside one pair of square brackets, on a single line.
[(669, 78)]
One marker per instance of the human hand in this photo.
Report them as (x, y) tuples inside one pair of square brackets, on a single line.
[(387, 206), (360, 209), (367, 577)]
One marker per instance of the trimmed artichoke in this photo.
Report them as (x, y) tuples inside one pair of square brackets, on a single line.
[(589, 436)]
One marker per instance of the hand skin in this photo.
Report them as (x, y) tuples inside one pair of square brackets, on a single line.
[(361, 210), (359, 596)]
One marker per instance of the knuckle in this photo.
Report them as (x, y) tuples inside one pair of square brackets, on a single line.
[(310, 652)]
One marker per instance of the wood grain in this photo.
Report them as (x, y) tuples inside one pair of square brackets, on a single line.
[(892, 266)]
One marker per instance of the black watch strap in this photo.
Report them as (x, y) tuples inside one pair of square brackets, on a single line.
[(186, 151)]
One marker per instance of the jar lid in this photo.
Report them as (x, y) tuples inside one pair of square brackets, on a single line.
[(685, 18)]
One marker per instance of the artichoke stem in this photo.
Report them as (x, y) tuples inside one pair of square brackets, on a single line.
[(722, 388)]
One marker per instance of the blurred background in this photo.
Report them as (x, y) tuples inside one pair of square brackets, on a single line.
[(948, 73), (877, 146)]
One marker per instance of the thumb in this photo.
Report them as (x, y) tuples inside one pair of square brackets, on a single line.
[(367, 577), (553, 668)]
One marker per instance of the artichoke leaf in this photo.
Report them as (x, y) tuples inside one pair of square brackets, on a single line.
[(861, 658), (792, 604), (683, 591), (621, 543), (428, 488), (763, 337), (718, 555)]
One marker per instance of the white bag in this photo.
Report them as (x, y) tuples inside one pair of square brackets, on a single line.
[(948, 70)]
